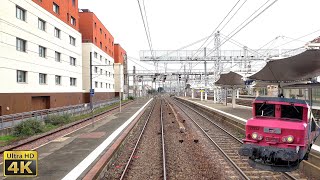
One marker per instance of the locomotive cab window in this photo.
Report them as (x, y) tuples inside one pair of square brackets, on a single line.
[(265, 110), (291, 111)]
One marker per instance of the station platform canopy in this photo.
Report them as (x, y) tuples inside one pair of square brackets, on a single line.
[(302, 86), (230, 79), (301, 67)]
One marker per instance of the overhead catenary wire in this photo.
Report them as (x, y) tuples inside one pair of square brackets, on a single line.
[(216, 28), (147, 23), (295, 39), (237, 30), (146, 30)]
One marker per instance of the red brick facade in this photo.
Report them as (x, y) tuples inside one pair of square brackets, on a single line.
[(95, 32), (119, 53), (67, 9)]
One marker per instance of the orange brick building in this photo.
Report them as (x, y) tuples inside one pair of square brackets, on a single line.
[(119, 53), (66, 10), (93, 31)]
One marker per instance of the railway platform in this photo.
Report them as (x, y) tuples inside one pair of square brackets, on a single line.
[(72, 155), (240, 113)]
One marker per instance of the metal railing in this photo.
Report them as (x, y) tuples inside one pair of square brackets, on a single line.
[(8, 121)]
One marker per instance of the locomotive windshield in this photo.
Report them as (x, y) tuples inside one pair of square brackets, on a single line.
[(265, 110), (291, 111)]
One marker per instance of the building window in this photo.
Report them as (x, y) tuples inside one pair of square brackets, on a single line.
[(106, 49), (56, 8), (95, 25), (21, 45), (73, 3), (100, 71), (106, 61), (101, 84), (73, 21), (106, 73), (109, 63), (95, 55), (95, 40), (107, 85), (42, 78), (113, 75), (113, 86), (73, 81), (58, 80), (96, 69), (72, 40), (57, 56), (21, 76), (42, 51), (100, 58), (96, 84), (101, 45), (72, 61), (57, 32), (109, 74), (41, 24), (20, 13), (105, 36)]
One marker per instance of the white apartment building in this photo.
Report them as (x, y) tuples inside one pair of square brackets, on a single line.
[(103, 69), (41, 57)]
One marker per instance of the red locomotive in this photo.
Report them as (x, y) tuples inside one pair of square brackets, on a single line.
[(280, 133)]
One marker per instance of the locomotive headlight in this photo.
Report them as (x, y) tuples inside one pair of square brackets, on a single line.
[(254, 135), (290, 139)]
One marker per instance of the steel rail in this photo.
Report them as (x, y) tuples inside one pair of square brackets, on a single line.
[(238, 140), (163, 149), (138, 141)]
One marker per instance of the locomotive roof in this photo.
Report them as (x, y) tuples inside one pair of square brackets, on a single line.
[(279, 99)]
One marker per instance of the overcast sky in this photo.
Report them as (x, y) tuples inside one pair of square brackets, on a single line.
[(175, 23)]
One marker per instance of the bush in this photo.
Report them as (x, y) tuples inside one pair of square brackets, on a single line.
[(28, 128), (58, 120), (130, 97)]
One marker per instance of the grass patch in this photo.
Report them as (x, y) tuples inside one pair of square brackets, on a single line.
[(33, 127), (4, 140)]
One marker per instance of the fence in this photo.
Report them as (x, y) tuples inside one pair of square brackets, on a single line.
[(8, 121)]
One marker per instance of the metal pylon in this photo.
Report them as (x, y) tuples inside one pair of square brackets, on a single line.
[(218, 64)]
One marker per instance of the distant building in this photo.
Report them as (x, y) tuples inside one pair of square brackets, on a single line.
[(98, 41), (120, 56), (314, 44), (41, 55)]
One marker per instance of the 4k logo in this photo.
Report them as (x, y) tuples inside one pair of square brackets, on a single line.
[(20, 163)]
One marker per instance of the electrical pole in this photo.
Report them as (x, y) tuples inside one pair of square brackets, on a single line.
[(185, 81), (134, 82), (205, 75), (91, 95)]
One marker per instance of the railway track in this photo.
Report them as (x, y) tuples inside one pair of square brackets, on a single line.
[(228, 145), (134, 152), (38, 140)]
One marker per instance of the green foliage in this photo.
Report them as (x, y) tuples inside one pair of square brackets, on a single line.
[(130, 97), (57, 120), (28, 128), (6, 139)]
